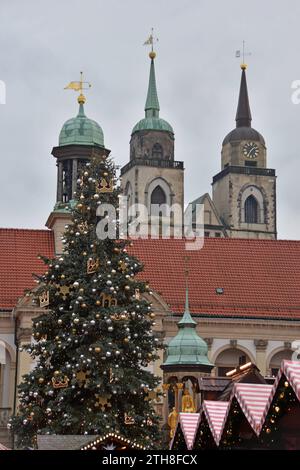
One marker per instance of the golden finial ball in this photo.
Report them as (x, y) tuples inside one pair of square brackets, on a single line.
[(81, 99), (243, 66), (152, 55)]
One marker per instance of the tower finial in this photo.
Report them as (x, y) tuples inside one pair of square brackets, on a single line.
[(243, 113), (152, 103), (149, 42), (79, 86), (186, 275), (242, 53)]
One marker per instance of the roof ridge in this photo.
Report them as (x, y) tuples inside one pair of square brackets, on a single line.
[(20, 229)]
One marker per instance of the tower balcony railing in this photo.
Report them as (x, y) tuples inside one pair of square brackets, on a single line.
[(152, 162), (244, 170)]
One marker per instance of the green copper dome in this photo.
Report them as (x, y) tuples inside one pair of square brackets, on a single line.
[(81, 130), (153, 124), (187, 348), (152, 121)]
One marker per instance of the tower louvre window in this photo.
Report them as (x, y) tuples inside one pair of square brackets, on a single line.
[(157, 151), (251, 210)]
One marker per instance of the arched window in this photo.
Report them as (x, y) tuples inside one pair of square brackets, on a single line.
[(158, 196), (230, 359), (157, 151), (275, 361), (251, 210)]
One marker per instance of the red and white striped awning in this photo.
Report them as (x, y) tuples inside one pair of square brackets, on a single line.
[(2, 447), (254, 400), (189, 425), (215, 413), (291, 370)]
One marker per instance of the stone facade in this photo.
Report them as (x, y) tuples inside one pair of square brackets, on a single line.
[(232, 186), (152, 144)]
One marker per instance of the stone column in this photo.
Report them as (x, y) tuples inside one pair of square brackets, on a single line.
[(179, 387), (59, 182), (165, 388), (261, 346), (74, 176)]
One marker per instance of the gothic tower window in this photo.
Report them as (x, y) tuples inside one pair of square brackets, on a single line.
[(157, 151), (251, 210), (158, 196)]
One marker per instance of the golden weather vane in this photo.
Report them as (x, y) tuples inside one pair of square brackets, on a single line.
[(150, 42), (79, 86), (243, 54)]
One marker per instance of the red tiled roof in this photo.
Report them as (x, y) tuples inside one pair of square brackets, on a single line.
[(260, 278), (19, 249)]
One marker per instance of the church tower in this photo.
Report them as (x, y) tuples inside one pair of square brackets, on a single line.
[(80, 139), (152, 176), (244, 191)]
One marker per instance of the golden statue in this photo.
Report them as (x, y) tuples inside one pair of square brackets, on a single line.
[(172, 422), (188, 405)]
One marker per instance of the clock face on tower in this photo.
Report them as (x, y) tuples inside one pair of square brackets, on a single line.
[(250, 150)]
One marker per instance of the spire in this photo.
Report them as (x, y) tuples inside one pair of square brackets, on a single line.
[(152, 104), (243, 114), (187, 321), (81, 112)]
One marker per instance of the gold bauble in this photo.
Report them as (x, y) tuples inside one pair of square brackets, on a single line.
[(81, 290), (152, 315), (97, 315), (41, 380), (97, 349), (56, 373), (98, 302), (127, 287), (62, 276), (126, 340)]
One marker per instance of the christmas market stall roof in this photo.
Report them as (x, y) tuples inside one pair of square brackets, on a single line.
[(84, 442), (2, 447), (228, 277), (246, 373), (291, 370), (188, 423), (215, 413), (256, 402)]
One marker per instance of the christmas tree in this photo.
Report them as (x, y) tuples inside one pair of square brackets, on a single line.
[(93, 342)]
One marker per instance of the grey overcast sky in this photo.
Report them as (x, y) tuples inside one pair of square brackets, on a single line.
[(44, 45)]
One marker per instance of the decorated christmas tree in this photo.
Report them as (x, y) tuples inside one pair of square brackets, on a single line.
[(94, 341)]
